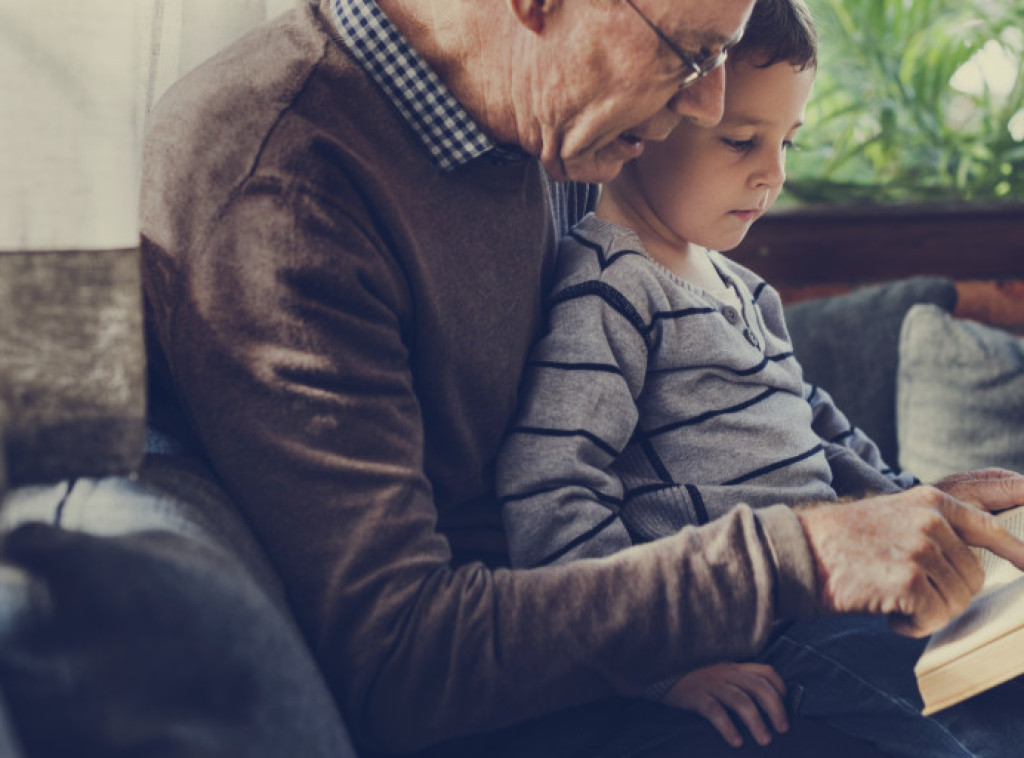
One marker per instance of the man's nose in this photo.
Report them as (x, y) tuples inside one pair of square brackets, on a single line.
[(703, 102)]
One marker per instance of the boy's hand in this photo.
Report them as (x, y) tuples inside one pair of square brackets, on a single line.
[(748, 690)]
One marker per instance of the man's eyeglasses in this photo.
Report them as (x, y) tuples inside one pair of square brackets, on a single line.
[(698, 67)]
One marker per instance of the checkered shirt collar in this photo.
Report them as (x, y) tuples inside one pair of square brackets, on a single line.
[(446, 129)]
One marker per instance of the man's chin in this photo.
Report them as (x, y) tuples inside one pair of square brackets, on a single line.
[(592, 169)]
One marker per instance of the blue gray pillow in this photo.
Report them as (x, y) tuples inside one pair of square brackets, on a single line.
[(960, 395)]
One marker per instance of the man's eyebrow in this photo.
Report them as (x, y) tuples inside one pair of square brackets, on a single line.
[(710, 39), (741, 120)]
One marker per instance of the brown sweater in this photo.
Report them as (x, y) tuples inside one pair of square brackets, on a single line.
[(345, 329)]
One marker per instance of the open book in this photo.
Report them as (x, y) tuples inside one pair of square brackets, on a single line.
[(983, 646)]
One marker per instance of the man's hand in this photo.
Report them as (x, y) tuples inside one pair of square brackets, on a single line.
[(748, 690), (907, 554)]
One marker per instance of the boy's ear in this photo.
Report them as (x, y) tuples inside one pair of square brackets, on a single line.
[(533, 14)]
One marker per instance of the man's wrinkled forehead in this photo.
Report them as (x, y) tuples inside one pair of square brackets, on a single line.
[(703, 24)]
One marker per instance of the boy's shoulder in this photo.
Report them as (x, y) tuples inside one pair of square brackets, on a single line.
[(601, 251), (598, 257), (605, 241)]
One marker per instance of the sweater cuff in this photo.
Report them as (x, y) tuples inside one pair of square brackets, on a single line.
[(658, 690), (795, 580)]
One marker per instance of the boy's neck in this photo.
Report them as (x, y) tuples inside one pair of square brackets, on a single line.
[(687, 260)]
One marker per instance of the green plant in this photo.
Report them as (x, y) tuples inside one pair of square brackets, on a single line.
[(915, 100)]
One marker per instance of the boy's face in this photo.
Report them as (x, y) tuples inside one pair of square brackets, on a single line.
[(707, 185)]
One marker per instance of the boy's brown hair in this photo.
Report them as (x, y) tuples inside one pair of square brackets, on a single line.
[(779, 31)]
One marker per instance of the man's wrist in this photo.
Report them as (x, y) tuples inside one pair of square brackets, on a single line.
[(796, 572)]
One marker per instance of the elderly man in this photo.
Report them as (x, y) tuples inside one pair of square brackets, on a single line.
[(349, 219)]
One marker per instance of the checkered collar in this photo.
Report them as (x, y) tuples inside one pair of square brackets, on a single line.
[(446, 129)]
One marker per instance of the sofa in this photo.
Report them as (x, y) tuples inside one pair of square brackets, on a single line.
[(139, 616)]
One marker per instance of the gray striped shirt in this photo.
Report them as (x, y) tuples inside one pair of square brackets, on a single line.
[(649, 405)]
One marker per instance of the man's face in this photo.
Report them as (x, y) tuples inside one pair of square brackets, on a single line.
[(615, 84), (707, 185)]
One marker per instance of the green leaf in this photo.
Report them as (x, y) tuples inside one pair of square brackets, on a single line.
[(885, 123)]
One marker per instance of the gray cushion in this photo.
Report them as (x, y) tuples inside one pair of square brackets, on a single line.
[(960, 395), (849, 344), (139, 622), (10, 745)]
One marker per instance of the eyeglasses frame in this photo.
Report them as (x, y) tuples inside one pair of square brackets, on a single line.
[(698, 70)]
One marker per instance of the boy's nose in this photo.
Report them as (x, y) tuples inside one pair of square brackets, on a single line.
[(772, 171)]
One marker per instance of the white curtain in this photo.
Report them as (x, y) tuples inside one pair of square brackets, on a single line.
[(77, 78)]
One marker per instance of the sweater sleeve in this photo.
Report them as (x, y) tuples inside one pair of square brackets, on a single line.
[(560, 496)]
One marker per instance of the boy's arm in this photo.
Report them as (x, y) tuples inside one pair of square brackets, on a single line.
[(828, 421), (560, 498), (832, 425)]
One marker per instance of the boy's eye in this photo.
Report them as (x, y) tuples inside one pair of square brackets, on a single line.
[(739, 145)]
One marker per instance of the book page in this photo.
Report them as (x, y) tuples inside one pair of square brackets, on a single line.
[(989, 617), (997, 610), (997, 570)]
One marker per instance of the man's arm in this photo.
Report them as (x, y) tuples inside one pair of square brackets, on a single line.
[(298, 379)]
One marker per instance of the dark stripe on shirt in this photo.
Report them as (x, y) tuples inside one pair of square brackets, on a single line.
[(587, 535), (681, 313), (607, 368), (654, 459), (540, 431), (599, 250), (839, 438), (774, 466), (712, 414), (698, 504), (610, 295), (728, 369)]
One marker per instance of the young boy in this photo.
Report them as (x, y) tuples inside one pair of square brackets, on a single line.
[(665, 390)]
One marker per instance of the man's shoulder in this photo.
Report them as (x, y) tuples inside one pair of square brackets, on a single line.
[(262, 69), (285, 105)]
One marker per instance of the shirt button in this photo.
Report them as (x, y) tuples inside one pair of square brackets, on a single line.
[(752, 338), (731, 314)]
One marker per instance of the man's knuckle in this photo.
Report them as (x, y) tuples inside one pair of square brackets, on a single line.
[(992, 526), (920, 548), (909, 583), (931, 496)]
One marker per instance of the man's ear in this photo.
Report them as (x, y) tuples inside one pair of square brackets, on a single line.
[(533, 14)]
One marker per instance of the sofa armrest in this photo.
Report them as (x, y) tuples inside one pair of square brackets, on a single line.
[(139, 612), (72, 363)]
